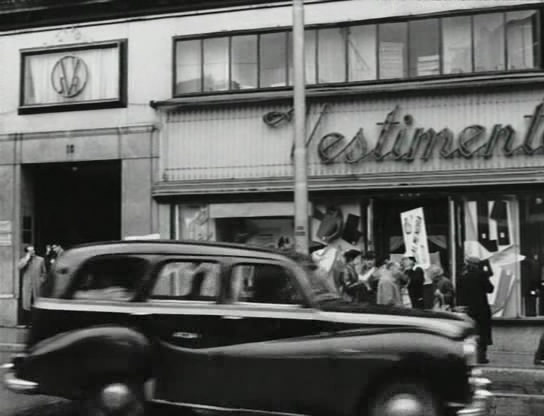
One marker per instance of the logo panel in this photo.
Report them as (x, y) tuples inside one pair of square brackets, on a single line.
[(69, 76)]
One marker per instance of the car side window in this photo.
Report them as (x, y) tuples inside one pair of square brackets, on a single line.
[(110, 278), (187, 280), (263, 283)]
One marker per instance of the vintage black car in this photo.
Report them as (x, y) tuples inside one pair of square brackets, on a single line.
[(221, 327)]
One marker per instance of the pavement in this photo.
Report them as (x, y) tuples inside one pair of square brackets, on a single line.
[(518, 384)]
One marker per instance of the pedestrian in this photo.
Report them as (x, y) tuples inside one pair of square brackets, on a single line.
[(32, 272), (416, 279), (50, 256), (350, 275), (443, 291), (388, 287), (473, 287), (369, 277)]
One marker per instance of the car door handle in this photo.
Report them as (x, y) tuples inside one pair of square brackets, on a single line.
[(232, 317), (185, 335), (141, 314)]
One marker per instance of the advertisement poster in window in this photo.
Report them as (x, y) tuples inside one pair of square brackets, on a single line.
[(491, 234), (414, 233)]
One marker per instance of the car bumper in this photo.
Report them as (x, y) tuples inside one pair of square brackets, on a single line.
[(16, 384), (482, 399)]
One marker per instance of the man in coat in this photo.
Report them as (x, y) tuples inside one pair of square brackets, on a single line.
[(32, 270), (415, 281)]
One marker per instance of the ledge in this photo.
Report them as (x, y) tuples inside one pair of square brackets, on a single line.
[(415, 87), (431, 179)]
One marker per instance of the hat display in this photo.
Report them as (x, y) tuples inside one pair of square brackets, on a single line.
[(472, 260)]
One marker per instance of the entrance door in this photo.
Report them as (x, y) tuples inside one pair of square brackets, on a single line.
[(75, 203)]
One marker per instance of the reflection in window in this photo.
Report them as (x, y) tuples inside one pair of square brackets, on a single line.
[(184, 280), (520, 38), (188, 66), (456, 45), (361, 53), (244, 62), (489, 42), (424, 48), (331, 55), (273, 58), (393, 50), (310, 49), (216, 64)]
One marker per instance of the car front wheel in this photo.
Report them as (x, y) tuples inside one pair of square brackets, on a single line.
[(404, 398), (119, 399)]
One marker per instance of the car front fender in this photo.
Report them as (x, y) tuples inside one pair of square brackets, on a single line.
[(70, 363)]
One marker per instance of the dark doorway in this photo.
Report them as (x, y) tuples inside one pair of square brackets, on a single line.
[(76, 203)]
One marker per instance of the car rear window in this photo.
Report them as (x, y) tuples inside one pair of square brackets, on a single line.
[(109, 278)]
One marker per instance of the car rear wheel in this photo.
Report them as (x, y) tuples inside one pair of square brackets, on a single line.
[(119, 399), (404, 398)]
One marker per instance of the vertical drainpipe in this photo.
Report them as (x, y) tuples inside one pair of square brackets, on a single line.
[(300, 161)]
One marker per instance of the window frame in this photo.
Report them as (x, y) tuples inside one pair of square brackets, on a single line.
[(538, 50), (119, 102), (159, 266)]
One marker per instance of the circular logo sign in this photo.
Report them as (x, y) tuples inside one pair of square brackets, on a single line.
[(69, 76)]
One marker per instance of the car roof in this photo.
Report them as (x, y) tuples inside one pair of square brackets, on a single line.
[(185, 247)]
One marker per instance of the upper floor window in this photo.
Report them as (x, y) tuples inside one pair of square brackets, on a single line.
[(429, 47)]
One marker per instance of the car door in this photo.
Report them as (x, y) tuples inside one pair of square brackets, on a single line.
[(276, 357), (182, 318)]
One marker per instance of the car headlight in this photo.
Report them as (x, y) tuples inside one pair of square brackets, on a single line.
[(470, 351)]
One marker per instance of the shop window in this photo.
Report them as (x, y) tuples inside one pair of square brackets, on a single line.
[(456, 45), (361, 53), (187, 280), (393, 50), (273, 60), (188, 66), (522, 44), (244, 62), (424, 48), (310, 55), (492, 233), (489, 42), (331, 55), (216, 64)]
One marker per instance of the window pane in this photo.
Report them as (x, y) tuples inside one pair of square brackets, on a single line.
[(489, 42), (309, 56), (244, 62), (188, 66), (361, 53), (263, 283), (216, 64), (521, 39), (273, 59), (184, 280), (456, 45), (332, 55), (393, 50), (424, 48)]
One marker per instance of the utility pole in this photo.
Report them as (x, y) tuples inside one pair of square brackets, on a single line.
[(299, 98)]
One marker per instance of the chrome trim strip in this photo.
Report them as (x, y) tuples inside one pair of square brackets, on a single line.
[(7, 366), (223, 409), (18, 385)]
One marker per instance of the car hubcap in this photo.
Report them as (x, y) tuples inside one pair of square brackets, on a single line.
[(115, 397), (404, 405)]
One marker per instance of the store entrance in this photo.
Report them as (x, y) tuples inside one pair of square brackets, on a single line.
[(71, 203), (388, 229)]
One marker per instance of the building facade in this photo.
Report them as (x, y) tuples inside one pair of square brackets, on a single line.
[(178, 122)]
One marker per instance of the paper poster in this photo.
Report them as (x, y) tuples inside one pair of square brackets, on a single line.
[(414, 233)]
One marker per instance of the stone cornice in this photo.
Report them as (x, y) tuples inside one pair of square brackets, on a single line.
[(55, 134)]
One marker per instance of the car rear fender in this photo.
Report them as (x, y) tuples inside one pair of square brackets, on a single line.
[(73, 362)]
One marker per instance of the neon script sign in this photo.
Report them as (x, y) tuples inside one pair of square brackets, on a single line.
[(398, 141)]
